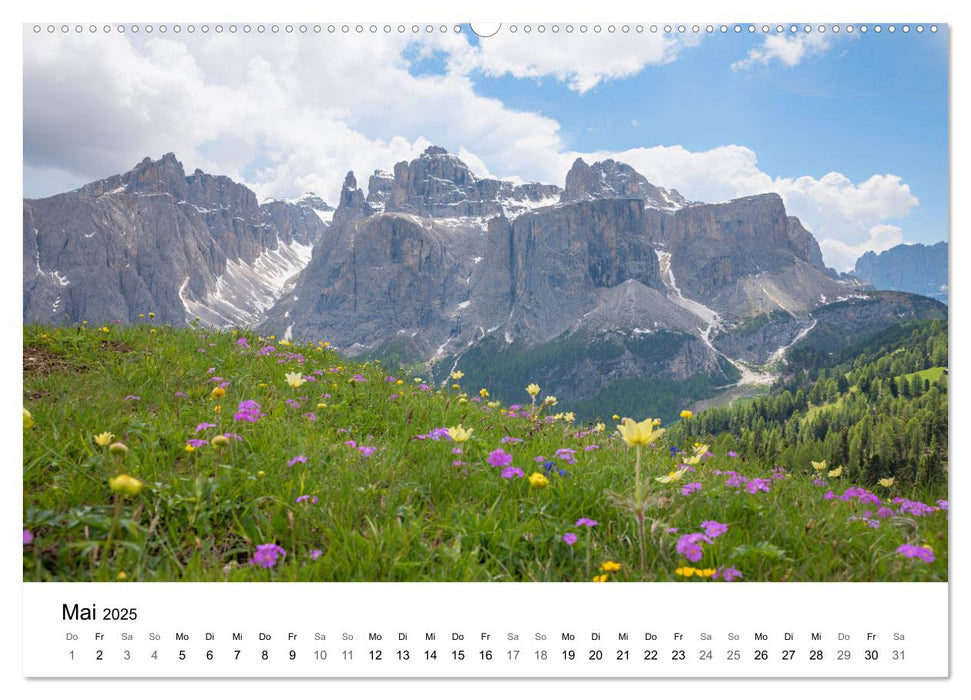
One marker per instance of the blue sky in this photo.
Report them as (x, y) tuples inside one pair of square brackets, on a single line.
[(850, 130)]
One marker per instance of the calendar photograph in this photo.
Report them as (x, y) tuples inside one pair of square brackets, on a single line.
[(612, 303)]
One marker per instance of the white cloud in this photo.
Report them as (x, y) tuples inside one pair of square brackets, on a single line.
[(291, 114), (788, 50), (582, 61)]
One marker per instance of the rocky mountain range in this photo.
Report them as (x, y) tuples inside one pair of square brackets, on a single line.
[(609, 279), (917, 268)]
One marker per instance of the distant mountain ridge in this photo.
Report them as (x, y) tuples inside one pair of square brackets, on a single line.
[(917, 268), (609, 278)]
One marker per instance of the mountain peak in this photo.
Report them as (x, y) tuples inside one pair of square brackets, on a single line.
[(612, 179), (434, 151)]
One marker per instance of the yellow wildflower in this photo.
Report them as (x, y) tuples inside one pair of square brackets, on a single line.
[(190, 448), (642, 433), (602, 578), (705, 573), (118, 448), (538, 481), (569, 417), (103, 440), (217, 392), (456, 386), (818, 466), (122, 575), (532, 389), (261, 473), (219, 441), (672, 476), (835, 472), (217, 408), (105, 329), (458, 375), (549, 401), (460, 434), (125, 485), (400, 382), (151, 314), (484, 393), (686, 414), (295, 379), (886, 483), (610, 567), (28, 420), (599, 428), (615, 417), (686, 571), (492, 404)]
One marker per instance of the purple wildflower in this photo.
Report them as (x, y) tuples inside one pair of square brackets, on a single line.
[(248, 411), (204, 426), (301, 499), (915, 508), (392, 397), (689, 489), (456, 450), (714, 529), (266, 351), (350, 443), (943, 504), (727, 573), (585, 522), (914, 552), (181, 395), (132, 397), (28, 536), (243, 343), (310, 416), (367, 451), (566, 454), (570, 538), (510, 472), (292, 403), (756, 485), (591, 448), (689, 547), (499, 458), (266, 555), (196, 443), (885, 512), (735, 479), (302, 459), (539, 458), (819, 481), (732, 454), (315, 554), (509, 439)]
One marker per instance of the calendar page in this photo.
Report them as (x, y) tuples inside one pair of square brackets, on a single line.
[(437, 349)]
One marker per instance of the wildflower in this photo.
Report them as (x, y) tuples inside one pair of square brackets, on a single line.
[(297, 460), (834, 473), (243, 343), (294, 379), (309, 416), (599, 428), (103, 439), (219, 441), (28, 420), (590, 448), (566, 454), (538, 481), (151, 314), (819, 466), (459, 434), (602, 578), (675, 475), (510, 472), (714, 529), (913, 507), (911, 551), (261, 473), (610, 567), (689, 546), (484, 393), (457, 375), (733, 455), (204, 426), (367, 451), (499, 458), (248, 411), (28, 536), (635, 434), (532, 390), (266, 555), (315, 554), (508, 439), (132, 397), (686, 571), (727, 573), (615, 417), (686, 414), (311, 499), (122, 575), (756, 485), (943, 504), (125, 485), (217, 392), (549, 401), (689, 489), (886, 483), (570, 538), (705, 573), (585, 522), (118, 448)]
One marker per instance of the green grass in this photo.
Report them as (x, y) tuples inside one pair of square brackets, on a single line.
[(408, 511)]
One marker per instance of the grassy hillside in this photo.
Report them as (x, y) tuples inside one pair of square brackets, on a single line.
[(232, 473)]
